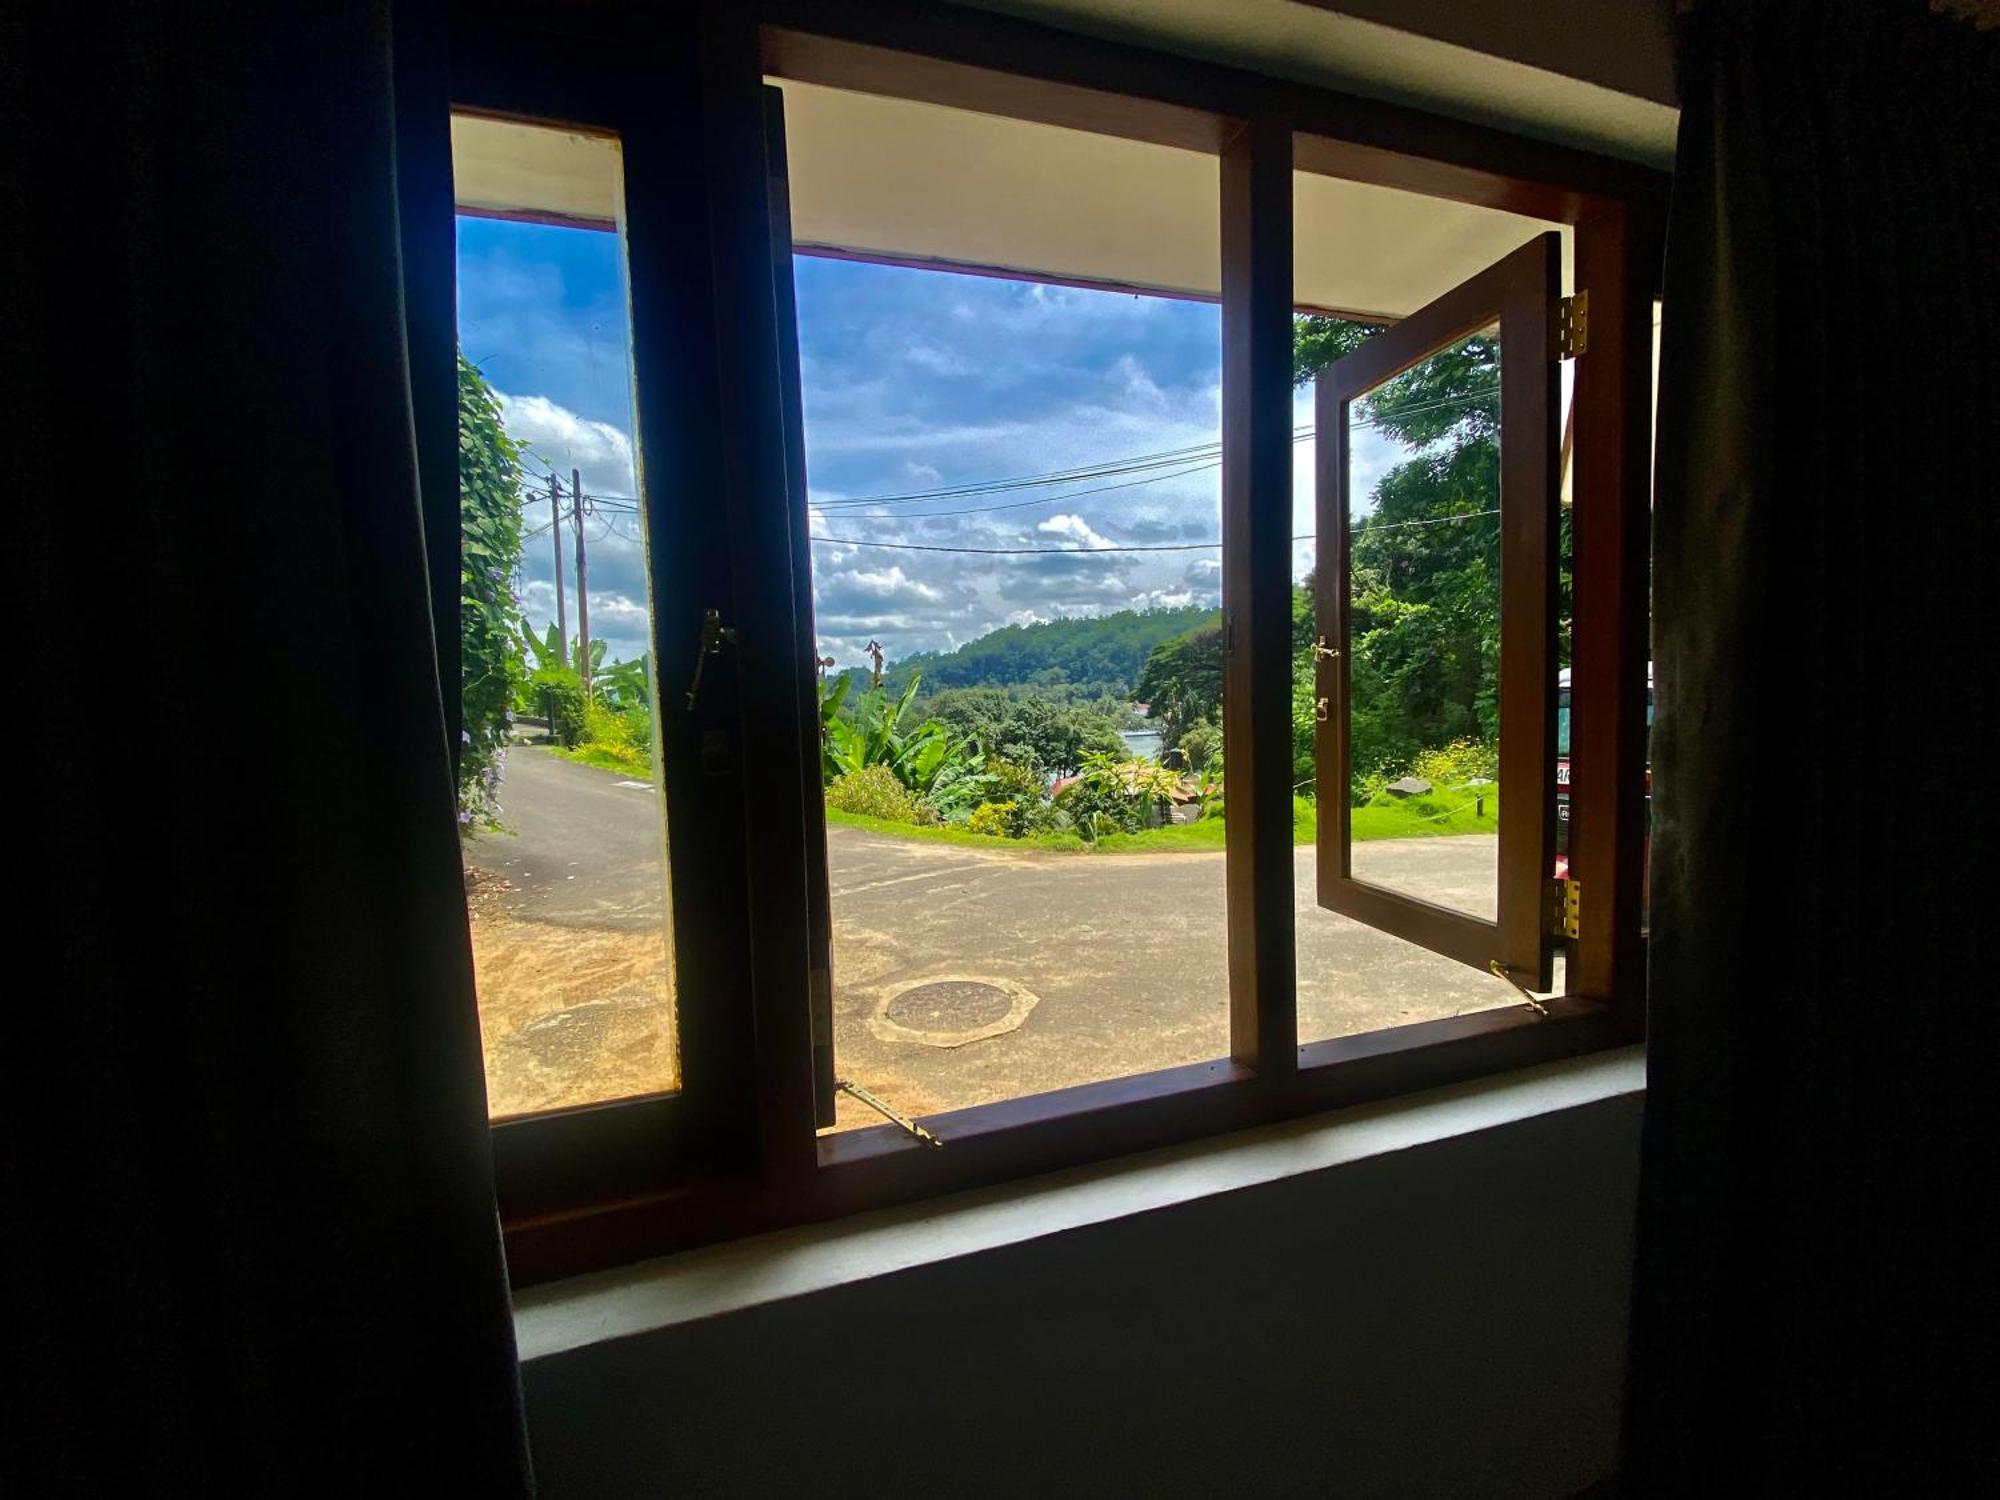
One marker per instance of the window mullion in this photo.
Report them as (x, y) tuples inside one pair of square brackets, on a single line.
[(1256, 584)]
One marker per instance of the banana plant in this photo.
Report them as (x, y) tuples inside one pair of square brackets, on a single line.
[(617, 684), (625, 684), (872, 736), (548, 652)]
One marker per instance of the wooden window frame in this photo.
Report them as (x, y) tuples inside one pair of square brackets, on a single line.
[(1518, 295), (610, 1184)]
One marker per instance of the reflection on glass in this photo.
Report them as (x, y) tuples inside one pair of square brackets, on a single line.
[(1423, 596), (564, 828)]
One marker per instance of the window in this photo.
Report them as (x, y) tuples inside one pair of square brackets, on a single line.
[(1013, 498), (828, 286), (565, 860)]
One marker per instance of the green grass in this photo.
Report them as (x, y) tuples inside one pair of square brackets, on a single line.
[(605, 759), (1441, 813), (1454, 810), (947, 833)]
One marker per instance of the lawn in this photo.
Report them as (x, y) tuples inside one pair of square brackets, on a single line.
[(1386, 818), (606, 759)]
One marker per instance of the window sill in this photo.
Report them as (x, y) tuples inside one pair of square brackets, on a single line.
[(561, 1316)]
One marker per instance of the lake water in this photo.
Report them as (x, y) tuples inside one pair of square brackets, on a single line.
[(1142, 744)]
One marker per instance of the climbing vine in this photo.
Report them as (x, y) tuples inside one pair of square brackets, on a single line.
[(489, 499)]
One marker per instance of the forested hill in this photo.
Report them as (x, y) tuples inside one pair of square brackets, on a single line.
[(1103, 654)]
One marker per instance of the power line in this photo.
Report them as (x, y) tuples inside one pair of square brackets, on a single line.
[(1191, 460), (1202, 455), (843, 541)]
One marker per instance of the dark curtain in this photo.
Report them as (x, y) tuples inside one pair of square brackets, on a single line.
[(1813, 1299), (248, 1215)]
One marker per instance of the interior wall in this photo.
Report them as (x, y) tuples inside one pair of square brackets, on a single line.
[(1446, 1320)]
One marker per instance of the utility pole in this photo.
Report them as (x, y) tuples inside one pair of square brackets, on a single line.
[(555, 539), (582, 587)]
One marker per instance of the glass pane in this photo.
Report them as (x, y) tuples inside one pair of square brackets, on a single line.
[(1423, 600), (560, 803), (1015, 504)]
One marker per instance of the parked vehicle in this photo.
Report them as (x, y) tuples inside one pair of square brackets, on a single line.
[(1562, 771)]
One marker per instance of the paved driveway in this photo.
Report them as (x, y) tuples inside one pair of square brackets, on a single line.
[(1099, 965)]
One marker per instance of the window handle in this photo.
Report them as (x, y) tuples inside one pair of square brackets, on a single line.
[(1324, 651), (714, 636)]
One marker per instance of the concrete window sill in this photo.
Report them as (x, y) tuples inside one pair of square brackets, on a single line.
[(652, 1295)]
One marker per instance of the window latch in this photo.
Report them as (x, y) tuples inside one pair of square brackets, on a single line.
[(1324, 651), (714, 636)]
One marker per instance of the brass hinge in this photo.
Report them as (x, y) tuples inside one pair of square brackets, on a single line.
[(1573, 326), (1566, 908)]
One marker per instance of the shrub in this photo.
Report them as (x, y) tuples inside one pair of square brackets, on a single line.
[(1045, 817), (1013, 782), (624, 734), (874, 792), (1200, 742), (558, 692), (1456, 763), (1001, 820)]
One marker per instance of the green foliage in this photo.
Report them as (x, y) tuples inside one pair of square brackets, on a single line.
[(1424, 630), (1319, 340), (1114, 796), (1457, 764), (1036, 732), (998, 820), (1181, 682), (628, 684), (623, 735), (1069, 660), (1012, 780), (489, 503), (874, 792), (557, 692), (1200, 743), (1058, 836), (872, 735), (624, 682)]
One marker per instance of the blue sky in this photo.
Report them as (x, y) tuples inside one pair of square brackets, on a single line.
[(913, 380)]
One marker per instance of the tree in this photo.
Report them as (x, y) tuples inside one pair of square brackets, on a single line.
[(489, 504), (1424, 634), (1028, 729), (1182, 681)]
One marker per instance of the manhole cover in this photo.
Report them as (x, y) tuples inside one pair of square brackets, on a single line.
[(951, 1012), (950, 1005)]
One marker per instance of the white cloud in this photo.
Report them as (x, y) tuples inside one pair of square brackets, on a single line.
[(1074, 531), (889, 583), (556, 437)]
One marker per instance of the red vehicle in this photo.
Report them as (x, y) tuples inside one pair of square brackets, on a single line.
[(1562, 770)]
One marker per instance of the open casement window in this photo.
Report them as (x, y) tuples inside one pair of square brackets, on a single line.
[(819, 897), (1503, 928)]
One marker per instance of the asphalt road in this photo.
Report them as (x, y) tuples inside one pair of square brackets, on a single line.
[(1101, 965)]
